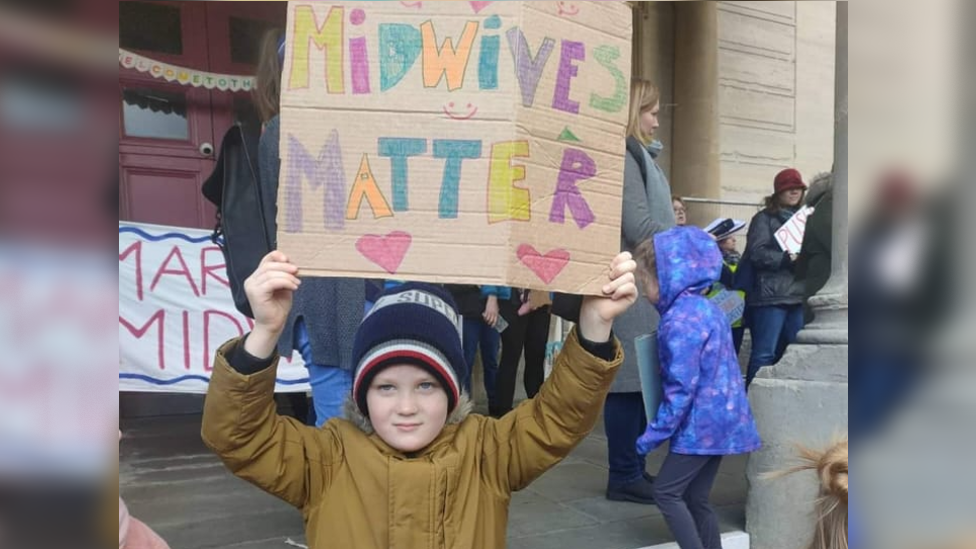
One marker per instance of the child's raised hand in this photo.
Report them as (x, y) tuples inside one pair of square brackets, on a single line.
[(598, 312), (270, 291)]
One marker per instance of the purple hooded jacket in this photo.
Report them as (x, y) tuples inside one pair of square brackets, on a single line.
[(704, 410)]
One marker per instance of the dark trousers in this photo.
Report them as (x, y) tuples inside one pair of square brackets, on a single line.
[(625, 420), (773, 329), (738, 335), (881, 382), (681, 491), (477, 335), (531, 334), (299, 406)]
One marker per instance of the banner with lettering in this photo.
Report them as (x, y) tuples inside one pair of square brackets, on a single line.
[(176, 310), (185, 76), (468, 142)]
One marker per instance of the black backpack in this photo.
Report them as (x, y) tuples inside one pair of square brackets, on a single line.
[(235, 188)]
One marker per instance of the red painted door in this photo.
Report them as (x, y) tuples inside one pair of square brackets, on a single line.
[(239, 27), (169, 134), (164, 129)]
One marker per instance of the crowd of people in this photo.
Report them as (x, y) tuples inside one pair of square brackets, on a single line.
[(390, 425)]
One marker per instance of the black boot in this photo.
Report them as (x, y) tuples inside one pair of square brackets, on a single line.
[(639, 491)]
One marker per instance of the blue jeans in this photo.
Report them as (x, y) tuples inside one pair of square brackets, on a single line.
[(880, 383), (478, 334), (331, 385), (773, 329), (625, 421)]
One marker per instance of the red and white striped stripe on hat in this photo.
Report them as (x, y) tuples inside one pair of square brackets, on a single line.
[(405, 351)]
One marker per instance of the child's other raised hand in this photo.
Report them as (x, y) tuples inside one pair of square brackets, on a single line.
[(270, 291), (598, 312)]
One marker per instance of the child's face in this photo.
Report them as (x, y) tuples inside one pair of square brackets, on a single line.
[(728, 245), (407, 407)]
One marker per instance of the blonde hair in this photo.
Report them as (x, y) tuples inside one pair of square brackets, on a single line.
[(831, 467), (644, 96), (267, 89)]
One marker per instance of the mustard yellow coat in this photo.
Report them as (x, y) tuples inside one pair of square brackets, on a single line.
[(355, 492)]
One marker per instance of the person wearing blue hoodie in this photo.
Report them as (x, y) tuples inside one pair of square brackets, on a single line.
[(704, 412)]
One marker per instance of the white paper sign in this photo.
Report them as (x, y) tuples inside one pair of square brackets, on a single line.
[(790, 235)]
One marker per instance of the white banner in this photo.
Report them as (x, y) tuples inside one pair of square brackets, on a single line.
[(184, 76), (176, 310)]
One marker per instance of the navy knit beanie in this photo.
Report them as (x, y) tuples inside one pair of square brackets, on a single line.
[(415, 324)]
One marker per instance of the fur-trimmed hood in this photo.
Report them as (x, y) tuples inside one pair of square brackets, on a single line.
[(353, 415), (821, 185)]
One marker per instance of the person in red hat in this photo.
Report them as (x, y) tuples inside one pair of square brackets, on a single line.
[(774, 302)]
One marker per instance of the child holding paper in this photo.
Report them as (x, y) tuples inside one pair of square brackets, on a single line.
[(410, 467), (704, 411)]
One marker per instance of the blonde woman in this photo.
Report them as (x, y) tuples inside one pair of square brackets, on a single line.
[(646, 211)]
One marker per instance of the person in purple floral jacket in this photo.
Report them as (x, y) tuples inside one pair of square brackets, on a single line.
[(704, 411)]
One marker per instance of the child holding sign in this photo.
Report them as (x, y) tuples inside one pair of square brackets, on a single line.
[(704, 412), (409, 467)]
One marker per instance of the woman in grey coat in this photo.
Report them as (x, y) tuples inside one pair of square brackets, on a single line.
[(327, 311), (646, 211)]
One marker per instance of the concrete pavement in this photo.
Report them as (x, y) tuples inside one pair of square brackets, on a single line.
[(173, 483)]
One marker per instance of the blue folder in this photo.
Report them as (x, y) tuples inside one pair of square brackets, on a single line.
[(649, 365)]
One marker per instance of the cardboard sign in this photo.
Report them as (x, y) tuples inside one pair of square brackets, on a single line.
[(790, 235), (176, 310), (467, 142)]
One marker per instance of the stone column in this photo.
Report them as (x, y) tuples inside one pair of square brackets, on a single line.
[(696, 168), (831, 303), (803, 399)]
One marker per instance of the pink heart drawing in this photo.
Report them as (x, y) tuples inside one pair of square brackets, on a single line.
[(478, 6), (386, 251), (547, 267)]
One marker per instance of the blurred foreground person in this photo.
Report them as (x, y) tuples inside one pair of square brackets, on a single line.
[(900, 290)]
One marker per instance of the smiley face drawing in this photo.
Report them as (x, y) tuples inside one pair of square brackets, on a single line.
[(455, 113), (568, 9)]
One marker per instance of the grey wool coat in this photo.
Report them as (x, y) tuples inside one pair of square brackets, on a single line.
[(647, 211)]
